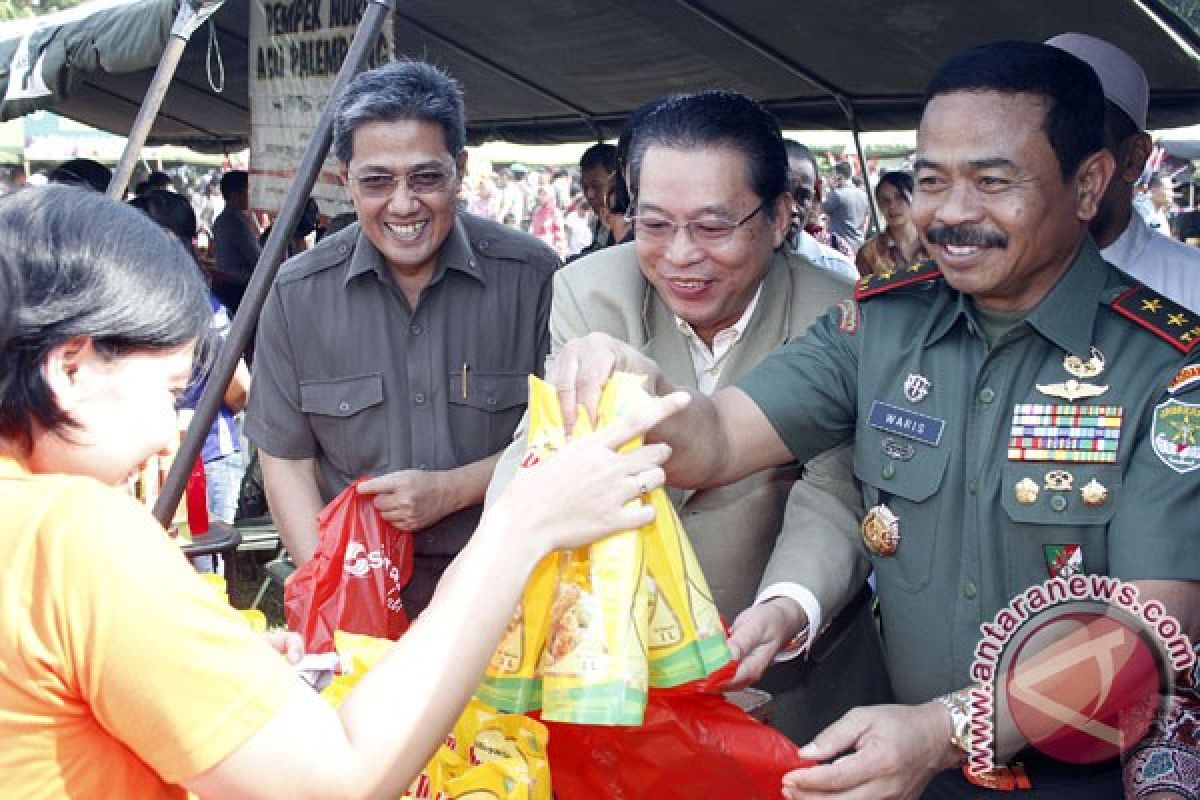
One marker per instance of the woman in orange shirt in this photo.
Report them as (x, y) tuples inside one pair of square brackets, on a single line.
[(123, 674)]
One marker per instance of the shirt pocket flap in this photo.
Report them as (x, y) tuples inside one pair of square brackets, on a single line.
[(1099, 483), (915, 475), (341, 397), (489, 391)]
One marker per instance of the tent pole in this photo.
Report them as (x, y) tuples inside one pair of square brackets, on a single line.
[(862, 162), (268, 264), (187, 20)]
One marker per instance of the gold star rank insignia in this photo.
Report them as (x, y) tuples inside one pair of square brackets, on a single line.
[(1159, 315), (886, 281)]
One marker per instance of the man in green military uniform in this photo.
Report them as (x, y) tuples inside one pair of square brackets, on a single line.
[(1009, 408)]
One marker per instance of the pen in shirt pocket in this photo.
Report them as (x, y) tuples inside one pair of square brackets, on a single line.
[(465, 369)]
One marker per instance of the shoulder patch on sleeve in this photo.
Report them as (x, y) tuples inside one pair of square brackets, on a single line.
[(1162, 317), (872, 285), (847, 316), (1186, 378)]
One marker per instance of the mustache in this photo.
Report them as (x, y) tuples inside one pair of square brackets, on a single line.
[(966, 236)]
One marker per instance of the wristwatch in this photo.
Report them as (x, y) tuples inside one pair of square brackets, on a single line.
[(959, 705)]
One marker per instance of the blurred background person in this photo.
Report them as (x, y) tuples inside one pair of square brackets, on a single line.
[(596, 166), (578, 224), (898, 246), (804, 185), (846, 208)]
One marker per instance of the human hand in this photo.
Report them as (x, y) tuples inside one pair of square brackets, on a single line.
[(585, 491), (288, 644), (412, 499), (581, 368), (890, 753), (759, 633)]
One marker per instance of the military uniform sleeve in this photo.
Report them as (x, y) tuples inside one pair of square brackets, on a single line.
[(819, 546), (163, 663), (274, 420), (808, 388), (1152, 534)]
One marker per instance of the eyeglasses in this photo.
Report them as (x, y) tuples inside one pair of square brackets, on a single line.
[(703, 231), (427, 180)]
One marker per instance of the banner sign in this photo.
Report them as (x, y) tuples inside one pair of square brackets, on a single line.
[(296, 50)]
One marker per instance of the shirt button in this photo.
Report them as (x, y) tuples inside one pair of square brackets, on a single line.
[(343, 406), (484, 244), (972, 486), (1058, 502), (986, 395), (889, 471), (419, 398), (415, 330), (969, 590), (343, 249)]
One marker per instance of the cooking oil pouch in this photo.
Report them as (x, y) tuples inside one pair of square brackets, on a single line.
[(357, 653), (442, 769), (520, 740), (686, 640), (510, 681), (594, 663), (494, 780)]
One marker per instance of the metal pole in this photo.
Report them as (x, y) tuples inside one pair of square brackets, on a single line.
[(187, 20), (863, 163), (268, 264)]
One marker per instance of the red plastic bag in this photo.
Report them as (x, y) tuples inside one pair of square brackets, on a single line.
[(693, 743), (354, 579)]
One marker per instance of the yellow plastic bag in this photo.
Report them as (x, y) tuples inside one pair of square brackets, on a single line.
[(510, 681), (494, 780), (594, 665)]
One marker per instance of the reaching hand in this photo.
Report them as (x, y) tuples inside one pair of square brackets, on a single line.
[(412, 499), (890, 753), (759, 633), (582, 367), (584, 491)]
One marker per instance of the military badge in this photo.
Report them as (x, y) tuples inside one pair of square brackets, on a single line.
[(897, 450), (916, 387), (881, 531), (1175, 432), (1085, 369), (1071, 390), (1059, 480), (1063, 560), (1026, 491), (1094, 494)]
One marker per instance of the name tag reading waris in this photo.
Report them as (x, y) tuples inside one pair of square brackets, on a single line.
[(902, 422)]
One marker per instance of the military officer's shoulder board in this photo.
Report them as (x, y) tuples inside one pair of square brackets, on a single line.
[(1163, 317), (873, 285)]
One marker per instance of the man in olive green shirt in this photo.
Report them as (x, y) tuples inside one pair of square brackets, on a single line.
[(938, 377)]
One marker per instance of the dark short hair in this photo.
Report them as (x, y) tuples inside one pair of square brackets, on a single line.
[(800, 152), (91, 267), (170, 210), (82, 172), (601, 154), (1074, 122), (628, 130), (400, 90), (717, 118), (899, 180), (844, 169), (159, 180), (235, 181)]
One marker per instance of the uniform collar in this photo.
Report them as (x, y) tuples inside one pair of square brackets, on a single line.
[(456, 253), (1065, 316)]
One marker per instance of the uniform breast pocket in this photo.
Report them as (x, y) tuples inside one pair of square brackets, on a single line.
[(1070, 495), (349, 420), (484, 411), (903, 475)]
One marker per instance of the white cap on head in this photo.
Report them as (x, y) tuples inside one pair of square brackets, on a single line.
[(1124, 82)]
